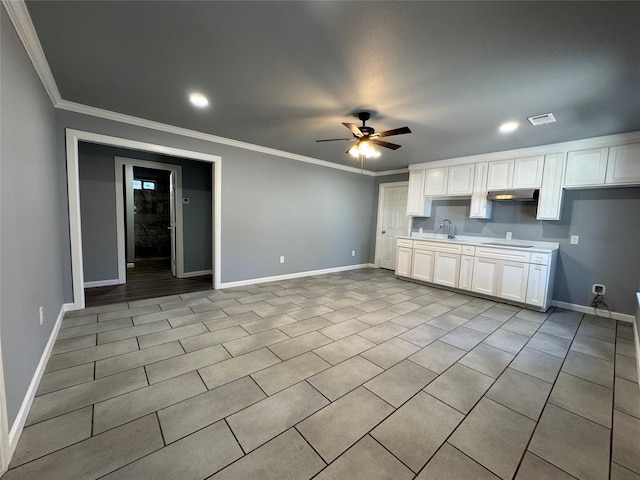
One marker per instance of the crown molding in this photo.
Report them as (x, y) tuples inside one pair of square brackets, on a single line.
[(19, 15), (163, 127), (391, 172)]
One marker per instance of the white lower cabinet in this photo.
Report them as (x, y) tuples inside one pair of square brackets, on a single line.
[(403, 261), (537, 285), (513, 281), (466, 272), (516, 275), (422, 265), (485, 276), (446, 269)]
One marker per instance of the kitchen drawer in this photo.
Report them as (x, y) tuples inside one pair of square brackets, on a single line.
[(403, 242), (437, 247), (540, 258), (468, 250), (503, 254)]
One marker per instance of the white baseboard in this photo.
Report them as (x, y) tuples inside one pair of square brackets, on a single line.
[(289, 276), (198, 273), (102, 283), (21, 418), (593, 311)]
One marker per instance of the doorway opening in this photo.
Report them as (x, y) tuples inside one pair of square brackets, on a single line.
[(149, 217), (151, 242), (151, 254), (212, 270)]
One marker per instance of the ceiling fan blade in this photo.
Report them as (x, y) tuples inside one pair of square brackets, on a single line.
[(392, 146), (395, 131), (334, 139), (355, 130)]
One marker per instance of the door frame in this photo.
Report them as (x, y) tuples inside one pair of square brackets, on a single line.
[(176, 170), (381, 192), (73, 137)]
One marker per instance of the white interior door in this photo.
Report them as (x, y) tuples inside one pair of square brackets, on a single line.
[(172, 220), (394, 222)]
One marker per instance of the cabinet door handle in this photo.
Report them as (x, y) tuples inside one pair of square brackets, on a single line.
[(384, 231)]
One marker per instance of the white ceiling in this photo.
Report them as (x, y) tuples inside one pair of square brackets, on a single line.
[(283, 74)]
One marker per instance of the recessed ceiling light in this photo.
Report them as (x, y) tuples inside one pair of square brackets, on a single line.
[(199, 100), (508, 127)]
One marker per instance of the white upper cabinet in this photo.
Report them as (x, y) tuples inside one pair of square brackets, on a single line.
[(586, 167), (550, 200), (435, 183), (624, 164), (518, 173), (500, 175), (415, 197), (527, 172), (455, 180), (480, 206), (460, 180)]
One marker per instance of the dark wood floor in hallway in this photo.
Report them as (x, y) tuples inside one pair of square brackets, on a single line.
[(146, 282)]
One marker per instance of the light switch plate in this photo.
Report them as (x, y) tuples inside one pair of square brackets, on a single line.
[(574, 239)]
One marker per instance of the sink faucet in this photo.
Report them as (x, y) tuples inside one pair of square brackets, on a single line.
[(450, 230)]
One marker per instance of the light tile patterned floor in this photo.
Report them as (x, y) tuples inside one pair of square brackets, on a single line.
[(356, 375)]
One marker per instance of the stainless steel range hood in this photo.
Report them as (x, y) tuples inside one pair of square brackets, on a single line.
[(523, 195)]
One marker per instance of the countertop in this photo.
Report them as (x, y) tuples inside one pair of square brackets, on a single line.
[(512, 244)]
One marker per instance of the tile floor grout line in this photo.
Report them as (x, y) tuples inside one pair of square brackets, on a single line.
[(586, 380), (535, 428), (547, 461), (613, 403), (164, 441), (482, 397), (446, 442), (226, 422), (390, 452)]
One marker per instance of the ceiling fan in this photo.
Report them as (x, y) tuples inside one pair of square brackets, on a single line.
[(365, 136)]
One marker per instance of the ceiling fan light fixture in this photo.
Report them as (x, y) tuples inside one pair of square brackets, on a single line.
[(363, 148)]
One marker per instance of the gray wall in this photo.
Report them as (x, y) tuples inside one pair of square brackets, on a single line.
[(271, 206), (31, 268), (98, 209), (606, 220)]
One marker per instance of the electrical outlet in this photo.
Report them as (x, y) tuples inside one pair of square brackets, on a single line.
[(420, 230), (574, 239), (353, 253), (598, 289), (282, 259), (41, 311), (508, 235)]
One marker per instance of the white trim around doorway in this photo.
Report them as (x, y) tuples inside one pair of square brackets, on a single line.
[(120, 216), (381, 190), (73, 137)]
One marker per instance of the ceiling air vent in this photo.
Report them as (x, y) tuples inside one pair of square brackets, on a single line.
[(541, 119)]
